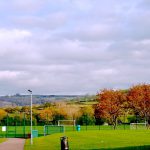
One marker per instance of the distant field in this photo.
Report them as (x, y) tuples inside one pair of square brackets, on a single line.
[(94, 140), (88, 103)]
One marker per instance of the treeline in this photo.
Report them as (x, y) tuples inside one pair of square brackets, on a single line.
[(48, 113), (112, 107), (115, 103)]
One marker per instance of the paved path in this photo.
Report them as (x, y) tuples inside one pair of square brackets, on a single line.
[(13, 144)]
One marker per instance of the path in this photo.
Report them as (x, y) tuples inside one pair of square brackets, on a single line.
[(13, 144)]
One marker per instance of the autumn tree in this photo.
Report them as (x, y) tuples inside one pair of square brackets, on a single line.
[(12, 109), (139, 100), (60, 112), (46, 115), (2, 114), (26, 109), (110, 105), (72, 111)]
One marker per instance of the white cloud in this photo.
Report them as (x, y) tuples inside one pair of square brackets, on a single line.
[(6, 75), (6, 34)]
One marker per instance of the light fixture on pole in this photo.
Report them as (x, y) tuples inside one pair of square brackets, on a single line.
[(31, 117)]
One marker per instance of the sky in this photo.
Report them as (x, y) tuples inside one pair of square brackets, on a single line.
[(73, 46)]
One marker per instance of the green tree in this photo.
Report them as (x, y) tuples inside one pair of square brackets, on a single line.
[(87, 116)]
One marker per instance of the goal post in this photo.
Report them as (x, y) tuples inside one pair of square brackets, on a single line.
[(134, 126), (50, 129), (66, 122)]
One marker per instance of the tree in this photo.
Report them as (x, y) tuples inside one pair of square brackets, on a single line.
[(12, 109), (2, 114), (139, 100), (110, 105), (87, 116), (72, 111), (26, 109), (46, 115), (47, 105)]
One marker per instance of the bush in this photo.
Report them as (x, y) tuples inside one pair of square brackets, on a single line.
[(86, 120)]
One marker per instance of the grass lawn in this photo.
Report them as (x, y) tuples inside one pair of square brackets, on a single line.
[(2, 140), (94, 140)]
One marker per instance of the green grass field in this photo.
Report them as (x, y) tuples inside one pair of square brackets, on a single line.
[(19, 131), (94, 140), (2, 140)]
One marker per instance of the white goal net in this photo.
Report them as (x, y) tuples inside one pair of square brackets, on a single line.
[(134, 126), (66, 122)]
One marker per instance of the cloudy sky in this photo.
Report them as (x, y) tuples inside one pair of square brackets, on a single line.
[(73, 46)]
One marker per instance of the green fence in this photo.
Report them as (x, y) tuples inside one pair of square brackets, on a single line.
[(19, 126), (20, 131), (24, 131), (51, 129)]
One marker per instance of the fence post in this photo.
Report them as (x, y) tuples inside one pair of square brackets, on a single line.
[(99, 126), (15, 128), (124, 122), (136, 121), (86, 121)]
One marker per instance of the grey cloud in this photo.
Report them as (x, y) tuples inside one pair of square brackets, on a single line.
[(48, 22), (74, 48), (21, 6)]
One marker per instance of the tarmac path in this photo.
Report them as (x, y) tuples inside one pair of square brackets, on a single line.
[(13, 144)]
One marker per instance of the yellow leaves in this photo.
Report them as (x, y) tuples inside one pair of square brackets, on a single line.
[(87, 110), (2, 114), (46, 114)]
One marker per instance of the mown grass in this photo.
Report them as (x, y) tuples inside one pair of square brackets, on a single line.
[(2, 140), (94, 140)]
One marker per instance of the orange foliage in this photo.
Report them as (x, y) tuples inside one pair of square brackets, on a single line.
[(139, 100), (2, 114), (46, 115), (110, 106)]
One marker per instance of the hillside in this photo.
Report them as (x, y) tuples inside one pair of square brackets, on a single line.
[(22, 100)]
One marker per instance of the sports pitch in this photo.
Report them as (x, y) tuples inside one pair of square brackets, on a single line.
[(94, 140)]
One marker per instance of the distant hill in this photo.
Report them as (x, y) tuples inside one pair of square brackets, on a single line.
[(21, 100), (5, 103)]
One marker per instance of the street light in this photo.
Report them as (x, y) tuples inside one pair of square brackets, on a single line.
[(31, 117)]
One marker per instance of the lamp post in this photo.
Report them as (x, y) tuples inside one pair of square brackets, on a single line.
[(31, 117)]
